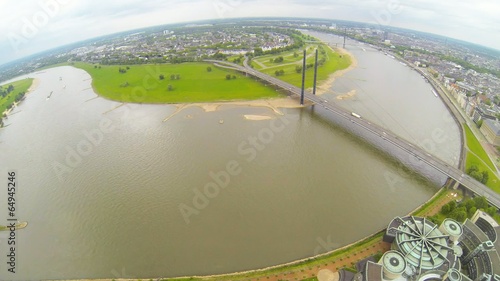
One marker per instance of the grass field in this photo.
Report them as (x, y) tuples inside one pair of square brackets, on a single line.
[(141, 84), (478, 156), (288, 57), (334, 61), (19, 87)]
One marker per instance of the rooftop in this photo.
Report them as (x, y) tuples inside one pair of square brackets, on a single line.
[(493, 125)]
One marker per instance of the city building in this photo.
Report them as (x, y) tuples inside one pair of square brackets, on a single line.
[(424, 251), (491, 131)]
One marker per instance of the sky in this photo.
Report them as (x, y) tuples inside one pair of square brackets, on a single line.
[(31, 26)]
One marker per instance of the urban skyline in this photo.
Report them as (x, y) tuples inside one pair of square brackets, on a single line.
[(30, 27)]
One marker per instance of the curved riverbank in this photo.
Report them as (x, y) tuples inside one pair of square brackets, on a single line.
[(10, 101), (326, 85)]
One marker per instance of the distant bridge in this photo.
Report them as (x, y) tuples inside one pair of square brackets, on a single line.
[(386, 135)]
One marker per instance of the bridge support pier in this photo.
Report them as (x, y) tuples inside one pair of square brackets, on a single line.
[(303, 79)]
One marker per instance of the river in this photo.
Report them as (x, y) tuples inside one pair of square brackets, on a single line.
[(112, 191)]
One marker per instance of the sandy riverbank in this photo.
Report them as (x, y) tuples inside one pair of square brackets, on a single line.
[(350, 94), (273, 104), (34, 85), (328, 83), (257, 117)]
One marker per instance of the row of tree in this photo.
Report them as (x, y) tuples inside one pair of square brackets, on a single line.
[(276, 60), (172, 77), (123, 70), (481, 176), (298, 68), (463, 210), (6, 91), (280, 72)]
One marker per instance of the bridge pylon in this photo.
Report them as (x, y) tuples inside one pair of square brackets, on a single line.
[(315, 72), (303, 79)]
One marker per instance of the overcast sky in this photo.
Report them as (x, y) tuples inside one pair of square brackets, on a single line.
[(31, 26)]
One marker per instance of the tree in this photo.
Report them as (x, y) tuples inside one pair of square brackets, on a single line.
[(170, 87), (485, 177), (491, 211), (234, 76), (10, 88), (162, 76), (258, 51), (278, 59), (445, 209), (19, 96), (295, 54), (228, 77), (177, 76), (209, 69), (298, 69), (471, 211), (474, 172), (459, 215), (453, 205), (481, 202), (469, 203), (172, 77)]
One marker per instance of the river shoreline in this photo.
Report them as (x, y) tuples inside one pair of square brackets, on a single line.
[(326, 85), (34, 86)]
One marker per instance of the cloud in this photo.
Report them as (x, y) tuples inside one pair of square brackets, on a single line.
[(71, 20)]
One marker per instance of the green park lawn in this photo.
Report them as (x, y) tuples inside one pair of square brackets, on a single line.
[(288, 57), (477, 156), (142, 83), (19, 87), (334, 62)]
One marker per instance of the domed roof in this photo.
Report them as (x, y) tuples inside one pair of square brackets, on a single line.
[(394, 262), (422, 243), (452, 227)]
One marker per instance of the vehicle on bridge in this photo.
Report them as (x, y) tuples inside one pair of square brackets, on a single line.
[(355, 115)]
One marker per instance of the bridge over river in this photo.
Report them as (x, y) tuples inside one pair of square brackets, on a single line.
[(416, 153)]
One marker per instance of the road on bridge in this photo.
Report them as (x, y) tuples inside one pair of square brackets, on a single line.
[(416, 152)]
